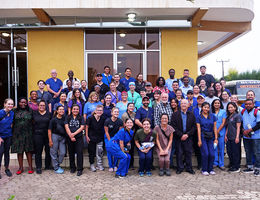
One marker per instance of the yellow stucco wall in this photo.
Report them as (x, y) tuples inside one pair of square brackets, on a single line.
[(54, 49), (179, 51)]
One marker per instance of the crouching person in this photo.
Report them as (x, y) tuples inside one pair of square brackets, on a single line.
[(164, 136), (144, 141), (57, 138), (119, 146)]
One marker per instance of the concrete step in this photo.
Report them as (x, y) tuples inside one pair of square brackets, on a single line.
[(14, 161)]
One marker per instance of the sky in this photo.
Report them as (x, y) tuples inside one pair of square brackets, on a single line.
[(243, 53)]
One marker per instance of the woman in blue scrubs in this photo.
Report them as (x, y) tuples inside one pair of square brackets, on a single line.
[(119, 146), (207, 138), (220, 113), (6, 121)]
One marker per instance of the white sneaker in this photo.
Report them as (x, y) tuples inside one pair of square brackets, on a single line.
[(101, 168), (115, 169), (212, 173), (205, 173), (93, 168), (110, 169)]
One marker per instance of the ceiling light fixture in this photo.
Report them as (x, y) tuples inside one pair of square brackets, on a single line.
[(200, 43), (122, 35), (120, 47), (131, 17), (5, 34)]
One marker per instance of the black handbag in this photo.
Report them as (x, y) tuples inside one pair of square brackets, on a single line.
[(208, 135)]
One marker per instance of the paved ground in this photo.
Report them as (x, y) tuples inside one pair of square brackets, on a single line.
[(94, 185)]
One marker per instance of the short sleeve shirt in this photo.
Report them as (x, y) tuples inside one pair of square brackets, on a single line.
[(232, 126), (141, 135), (74, 124), (54, 85), (123, 135), (206, 124), (57, 126), (96, 128), (113, 127)]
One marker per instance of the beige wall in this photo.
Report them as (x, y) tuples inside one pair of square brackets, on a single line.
[(54, 49)]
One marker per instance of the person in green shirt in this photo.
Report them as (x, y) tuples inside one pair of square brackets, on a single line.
[(139, 103), (132, 94), (144, 141)]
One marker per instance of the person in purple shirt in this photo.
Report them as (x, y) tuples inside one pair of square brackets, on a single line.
[(54, 86), (127, 79), (76, 99), (115, 94)]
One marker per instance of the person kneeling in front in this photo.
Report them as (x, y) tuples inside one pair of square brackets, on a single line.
[(144, 141), (119, 146)]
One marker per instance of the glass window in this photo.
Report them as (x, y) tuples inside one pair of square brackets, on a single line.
[(100, 39), (131, 60), (153, 66), (152, 39), (5, 40), (130, 39), (96, 63), (20, 39)]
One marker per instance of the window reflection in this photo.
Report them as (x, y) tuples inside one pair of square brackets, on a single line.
[(152, 39), (5, 40), (100, 39), (96, 63), (20, 39), (130, 39), (152, 66)]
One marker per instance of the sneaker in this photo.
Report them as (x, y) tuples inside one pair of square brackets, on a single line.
[(79, 173), (205, 173), (248, 170), (168, 172), (148, 174), (222, 168), (119, 176), (212, 173), (110, 169), (234, 170), (93, 168), (8, 172), (101, 168), (59, 171), (141, 174), (161, 172), (115, 169), (257, 172), (38, 171)]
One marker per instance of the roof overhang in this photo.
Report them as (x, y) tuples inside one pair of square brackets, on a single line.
[(218, 21)]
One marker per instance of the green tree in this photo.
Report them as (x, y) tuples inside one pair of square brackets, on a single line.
[(248, 75)]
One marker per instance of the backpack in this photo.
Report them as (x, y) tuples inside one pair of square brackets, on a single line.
[(255, 112)]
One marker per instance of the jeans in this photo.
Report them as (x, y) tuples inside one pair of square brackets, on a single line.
[(233, 151), (41, 141), (145, 161), (58, 150), (252, 149), (76, 148), (207, 154), (4, 150)]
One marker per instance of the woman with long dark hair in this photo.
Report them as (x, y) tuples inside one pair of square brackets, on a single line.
[(119, 146), (218, 89), (139, 83), (62, 102), (108, 105), (74, 125), (220, 113), (207, 138), (6, 121), (22, 140), (232, 137), (76, 99), (41, 120)]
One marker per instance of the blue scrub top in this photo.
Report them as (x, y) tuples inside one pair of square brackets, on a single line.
[(90, 107), (122, 108), (86, 93), (122, 135), (126, 82), (54, 85), (6, 124), (196, 112), (106, 79), (206, 124), (219, 117), (141, 113), (249, 118)]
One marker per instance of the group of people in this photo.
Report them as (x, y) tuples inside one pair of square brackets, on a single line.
[(177, 116)]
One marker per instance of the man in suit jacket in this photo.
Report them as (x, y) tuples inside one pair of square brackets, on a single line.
[(184, 123)]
